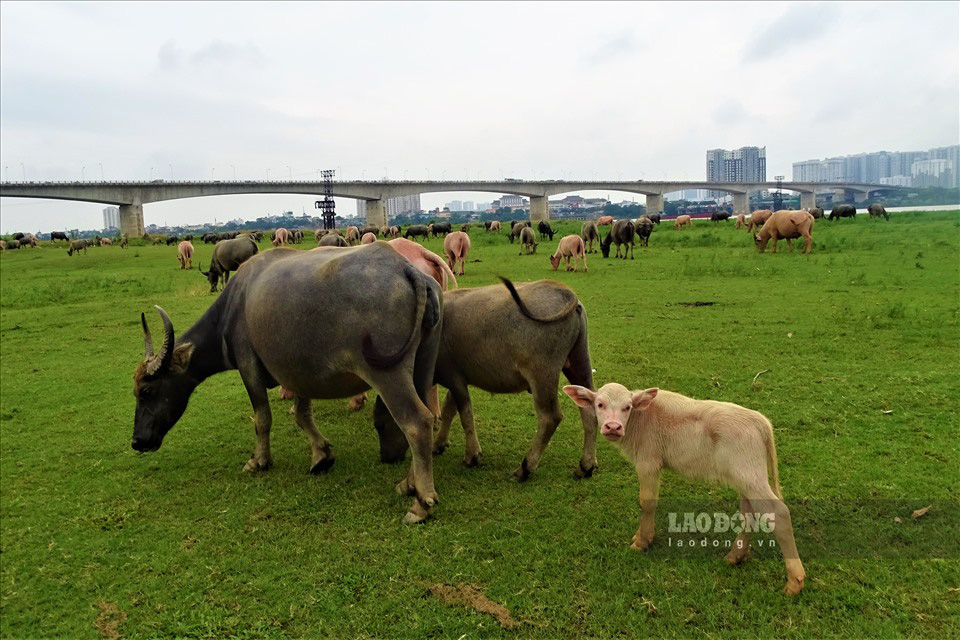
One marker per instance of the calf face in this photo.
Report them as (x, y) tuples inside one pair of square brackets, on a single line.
[(612, 404)]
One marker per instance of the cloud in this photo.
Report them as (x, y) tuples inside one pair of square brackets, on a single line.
[(730, 113), (618, 46), (216, 54), (799, 26)]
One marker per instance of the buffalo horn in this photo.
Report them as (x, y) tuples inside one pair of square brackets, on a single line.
[(148, 343), (161, 361)]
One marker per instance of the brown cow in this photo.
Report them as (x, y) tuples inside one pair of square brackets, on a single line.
[(683, 221), (353, 236), (368, 238), (786, 224), (569, 247), (394, 232), (644, 227), (758, 218), (528, 241), (741, 221), (426, 261), (281, 237), (589, 234), (701, 439), (185, 254), (494, 226), (456, 246), (106, 242), (604, 221)]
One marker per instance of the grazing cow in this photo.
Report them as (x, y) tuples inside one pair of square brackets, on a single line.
[(106, 242), (741, 221), (368, 238), (465, 227), (528, 240), (228, 255), (15, 244), (416, 230), (720, 216), (589, 234), (719, 442), (3, 245), (816, 212), (786, 224), (185, 254), (29, 240), (280, 237), (124, 241), (210, 238), (494, 226), (78, 245), (17, 236), (545, 230), (59, 235), (508, 341), (682, 221), (394, 232), (516, 228), (172, 240), (654, 217), (371, 320), (319, 233), (621, 233), (370, 229), (157, 241), (758, 218), (843, 211), (569, 247), (440, 227), (644, 228), (604, 221), (877, 210), (332, 240), (456, 246)]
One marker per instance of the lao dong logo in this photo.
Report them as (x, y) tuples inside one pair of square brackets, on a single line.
[(738, 523)]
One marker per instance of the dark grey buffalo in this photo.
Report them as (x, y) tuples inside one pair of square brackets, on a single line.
[(516, 228), (528, 240), (59, 235), (370, 229), (416, 230), (369, 318), (590, 235), (654, 217), (441, 227), (621, 233), (228, 255), (816, 212), (644, 228), (843, 211), (877, 210), (15, 244), (17, 236), (507, 340), (172, 240), (332, 240), (546, 231), (719, 216), (78, 245)]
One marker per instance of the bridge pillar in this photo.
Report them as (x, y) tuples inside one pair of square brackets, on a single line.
[(131, 220), (654, 204), (741, 203), (376, 213), (808, 200), (539, 208)]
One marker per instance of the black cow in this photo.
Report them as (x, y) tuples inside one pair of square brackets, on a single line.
[(228, 255), (545, 230), (622, 233), (441, 227), (654, 218), (59, 235), (843, 211), (877, 210), (172, 240), (719, 216)]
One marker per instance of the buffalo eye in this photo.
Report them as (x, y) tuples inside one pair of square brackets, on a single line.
[(145, 393)]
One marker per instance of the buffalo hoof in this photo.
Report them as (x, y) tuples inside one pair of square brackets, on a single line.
[(440, 447), (641, 544), (794, 586), (580, 472), (255, 466), (472, 461), (404, 488), (736, 556), (523, 473), (322, 466)]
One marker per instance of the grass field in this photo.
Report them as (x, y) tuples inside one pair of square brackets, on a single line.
[(860, 349)]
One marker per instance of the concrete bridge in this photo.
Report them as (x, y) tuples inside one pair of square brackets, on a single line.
[(131, 196)]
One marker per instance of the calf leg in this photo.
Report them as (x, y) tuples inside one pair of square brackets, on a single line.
[(578, 371), (548, 417), (763, 499), (321, 458), (441, 439), (741, 546), (649, 491), (790, 244)]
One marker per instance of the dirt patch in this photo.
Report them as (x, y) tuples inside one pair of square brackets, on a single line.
[(109, 620), (697, 304), (466, 595)]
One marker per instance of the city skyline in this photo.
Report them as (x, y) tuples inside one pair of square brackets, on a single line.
[(267, 97)]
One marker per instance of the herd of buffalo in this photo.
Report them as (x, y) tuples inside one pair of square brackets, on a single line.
[(388, 316)]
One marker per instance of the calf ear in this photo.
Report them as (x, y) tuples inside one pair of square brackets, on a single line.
[(581, 395), (643, 399)]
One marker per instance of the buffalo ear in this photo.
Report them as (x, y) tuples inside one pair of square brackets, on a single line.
[(581, 395), (181, 356), (643, 399)]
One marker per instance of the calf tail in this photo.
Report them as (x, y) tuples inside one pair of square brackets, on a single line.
[(560, 315), (421, 289), (772, 457)]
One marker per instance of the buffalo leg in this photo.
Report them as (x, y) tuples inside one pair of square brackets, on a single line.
[(471, 455), (548, 418), (321, 454), (441, 439), (261, 460), (578, 371)]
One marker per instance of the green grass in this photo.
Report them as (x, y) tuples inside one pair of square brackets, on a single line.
[(860, 346)]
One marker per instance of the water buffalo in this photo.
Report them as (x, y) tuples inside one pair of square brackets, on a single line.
[(494, 226), (604, 221), (172, 240), (59, 235), (508, 341), (683, 221), (741, 221), (368, 238), (17, 236), (441, 227), (280, 237), (654, 217), (456, 246), (621, 233), (185, 254), (843, 211), (877, 210), (106, 242), (416, 230), (816, 212), (77, 246), (3, 245), (332, 240), (209, 238), (758, 218), (28, 240), (528, 240), (570, 247), (720, 216), (589, 234), (516, 228), (785, 224), (370, 229), (371, 320), (644, 228), (228, 255), (546, 231)]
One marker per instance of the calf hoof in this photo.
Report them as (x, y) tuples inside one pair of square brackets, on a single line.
[(736, 556), (323, 465), (523, 473), (579, 473), (794, 586), (640, 544), (255, 466)]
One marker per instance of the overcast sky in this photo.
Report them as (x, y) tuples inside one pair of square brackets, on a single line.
[(418, 90)]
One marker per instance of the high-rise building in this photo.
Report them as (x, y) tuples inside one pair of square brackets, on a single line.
[(399, 206), (885, 167), (746, 164), (111, 218)]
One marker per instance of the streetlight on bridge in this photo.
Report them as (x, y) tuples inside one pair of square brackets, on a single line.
[(268, 175), (427, 169), (234, 172), (212, 170), (289, 173), (6, 173), (101, 171), (171, 171), (23, 171), (82, 172), (151, 173)]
